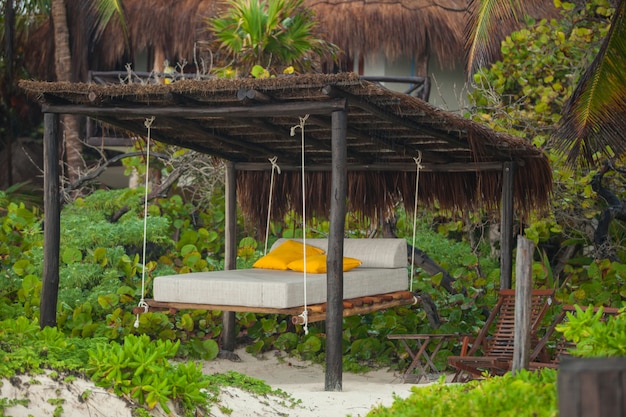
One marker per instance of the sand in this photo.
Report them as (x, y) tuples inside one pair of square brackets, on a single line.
[(302, 381)]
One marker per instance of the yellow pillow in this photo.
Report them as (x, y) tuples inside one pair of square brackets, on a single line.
[(286, 252), (316, 264)]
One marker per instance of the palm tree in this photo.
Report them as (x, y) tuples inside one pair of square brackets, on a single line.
[(103, 10), (63, 69), (18, 17), (277, 33), (593, 120)]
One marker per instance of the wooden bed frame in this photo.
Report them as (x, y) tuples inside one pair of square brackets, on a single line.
[(317, 312)]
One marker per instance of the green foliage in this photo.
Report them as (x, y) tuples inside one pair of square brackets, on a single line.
[(245, 382), (258, 35), (593, 335), (26, 348), (498, 396), (12, 402), (523, 94), (596, 282), (139, 369), (525, 91)]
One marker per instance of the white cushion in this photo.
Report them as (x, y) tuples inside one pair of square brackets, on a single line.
[(272, 289), (373, 253), (383, 270)]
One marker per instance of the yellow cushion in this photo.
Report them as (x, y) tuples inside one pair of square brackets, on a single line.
[(316, 264), (284, 254)]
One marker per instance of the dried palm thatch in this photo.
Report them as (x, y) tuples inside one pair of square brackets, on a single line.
[(394, 28), (375, 194), (174, 27), (386, 130), (414, 28)]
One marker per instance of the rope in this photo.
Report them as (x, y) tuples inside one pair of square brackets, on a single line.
[(418, 168), (275, 168), (305, 313), (142, 302)]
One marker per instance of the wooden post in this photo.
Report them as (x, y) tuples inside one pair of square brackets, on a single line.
[(334, 283), (52, 222), (230, 255), (592, 387), (523, 303), (506, 226)]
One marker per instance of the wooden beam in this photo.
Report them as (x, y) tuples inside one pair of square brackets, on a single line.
[(365, 158), (159, 136), (251, 94), (310, 140), (192, 126), (404, 167), (357, 310), (52, 223), (506, 226), (370, 108), (295, 108), (317, 312), (230, 255), (175, 306), (334, 281)]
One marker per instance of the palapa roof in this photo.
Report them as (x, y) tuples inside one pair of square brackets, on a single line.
[(413, 28), (247, 121)]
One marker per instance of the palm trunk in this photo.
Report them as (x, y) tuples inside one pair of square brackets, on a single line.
[(9, 31), (63, 68)]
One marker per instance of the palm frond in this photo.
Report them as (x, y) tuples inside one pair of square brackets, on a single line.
[(106, 10), (593, 125), (486, 19)]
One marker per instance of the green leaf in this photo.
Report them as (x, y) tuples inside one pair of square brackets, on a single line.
[(71, 255), (20, 267), (108, 301)]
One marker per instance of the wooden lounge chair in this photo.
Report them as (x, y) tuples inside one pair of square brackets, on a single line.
[(492, 350)]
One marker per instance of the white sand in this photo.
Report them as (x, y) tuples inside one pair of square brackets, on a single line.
[(303, 381)]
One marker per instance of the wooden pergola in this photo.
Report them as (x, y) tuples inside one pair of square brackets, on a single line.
[(362, 141)]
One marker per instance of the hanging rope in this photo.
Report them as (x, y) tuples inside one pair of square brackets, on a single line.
[(305, 312), (275, 168), (418, 168), (142, 301)]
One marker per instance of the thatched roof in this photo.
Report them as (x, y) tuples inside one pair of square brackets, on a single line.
[(247, 121), (175, 27), (406, 27), (414, 28)]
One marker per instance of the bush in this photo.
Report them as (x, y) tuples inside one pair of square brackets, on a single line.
[(531, 394)]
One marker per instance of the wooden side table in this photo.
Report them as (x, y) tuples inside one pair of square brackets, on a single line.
[(421, 359)]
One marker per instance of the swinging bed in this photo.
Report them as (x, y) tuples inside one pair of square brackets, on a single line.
[(361, 143), (380, 282)]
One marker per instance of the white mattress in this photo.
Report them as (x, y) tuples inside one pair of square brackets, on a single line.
[(272, 289), (383, 270)]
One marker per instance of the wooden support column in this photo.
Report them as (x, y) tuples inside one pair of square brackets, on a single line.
[(230, 255), (506, 226), (334, 283), (523, 303), (52, 222)]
